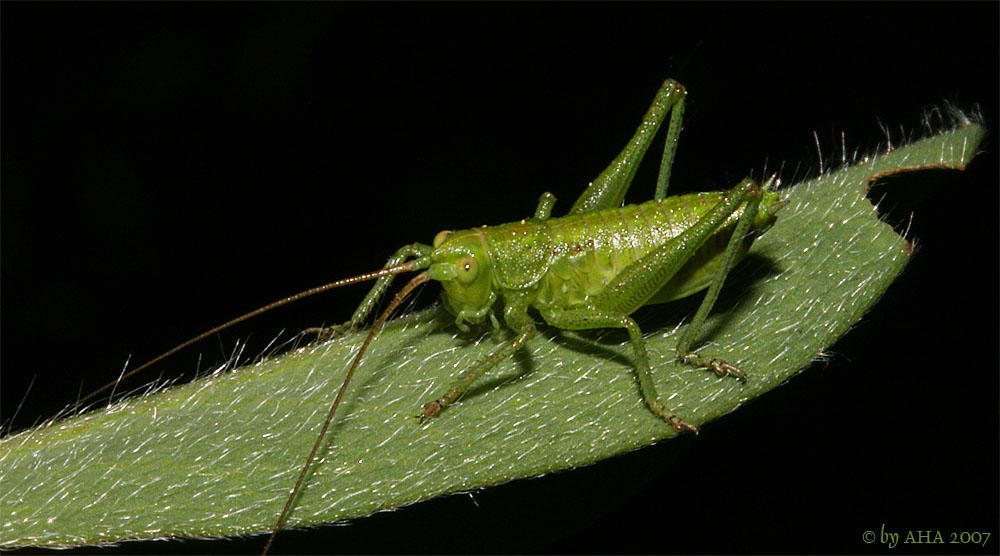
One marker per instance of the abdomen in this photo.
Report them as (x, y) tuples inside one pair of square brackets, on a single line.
[(590, 249)]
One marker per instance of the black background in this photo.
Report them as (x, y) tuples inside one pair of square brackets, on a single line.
[(167, 167)]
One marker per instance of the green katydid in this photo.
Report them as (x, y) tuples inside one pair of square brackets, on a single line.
[(589, 269)]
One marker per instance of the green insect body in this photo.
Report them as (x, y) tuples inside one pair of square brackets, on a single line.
[(566, 263), (592, 269)]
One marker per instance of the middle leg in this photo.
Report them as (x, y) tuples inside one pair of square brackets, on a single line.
[(589, 318)]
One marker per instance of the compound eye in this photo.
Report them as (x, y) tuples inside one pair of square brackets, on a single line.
[(440, 237), (468, 269)]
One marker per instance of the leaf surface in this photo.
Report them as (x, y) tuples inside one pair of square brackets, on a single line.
[(217, 457)]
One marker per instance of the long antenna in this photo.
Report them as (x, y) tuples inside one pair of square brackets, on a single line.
[(398, 269), (405, 291)]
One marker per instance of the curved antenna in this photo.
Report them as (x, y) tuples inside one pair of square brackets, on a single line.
[(405, 291), (398, 269)]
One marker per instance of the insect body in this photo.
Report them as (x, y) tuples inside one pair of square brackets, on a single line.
[(592, 269)]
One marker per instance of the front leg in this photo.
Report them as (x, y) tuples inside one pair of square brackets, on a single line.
[(412, 251)]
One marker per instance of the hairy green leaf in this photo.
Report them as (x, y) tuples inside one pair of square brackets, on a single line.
[(217, 457)]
